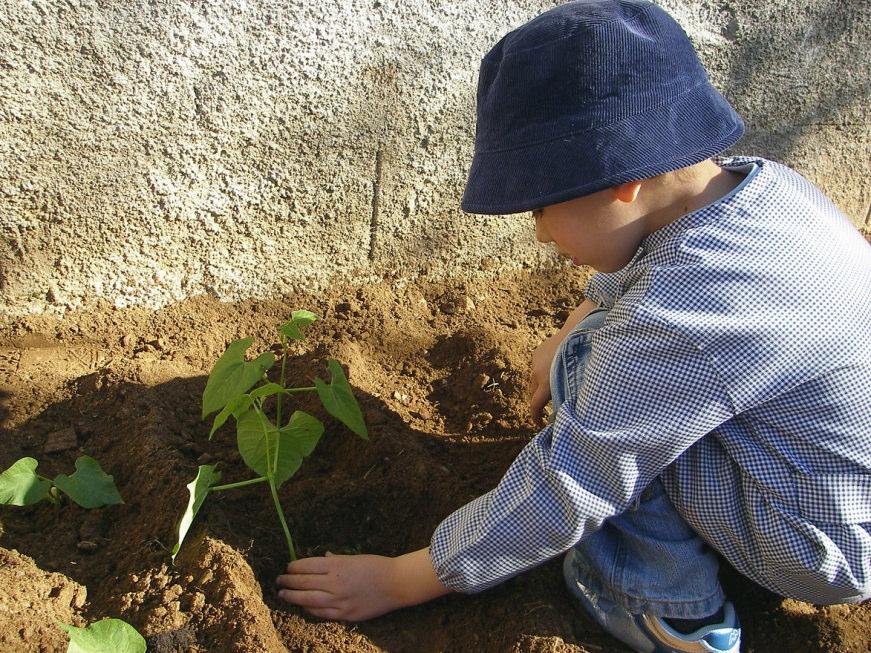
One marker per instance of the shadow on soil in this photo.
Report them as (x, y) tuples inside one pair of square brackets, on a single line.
[(384, 496)]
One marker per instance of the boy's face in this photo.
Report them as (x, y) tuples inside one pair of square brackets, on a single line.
[(599, 230)]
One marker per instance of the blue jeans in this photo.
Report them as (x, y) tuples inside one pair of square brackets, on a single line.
[(647, 559)]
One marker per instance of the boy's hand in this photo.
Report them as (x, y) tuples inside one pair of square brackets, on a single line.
[(359, 587), (539, 382)]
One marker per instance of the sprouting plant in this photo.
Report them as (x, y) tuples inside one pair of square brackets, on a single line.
[(105, 636), (273, 451), (89, 486)]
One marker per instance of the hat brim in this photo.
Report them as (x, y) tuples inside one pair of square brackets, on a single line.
[(696, 126)]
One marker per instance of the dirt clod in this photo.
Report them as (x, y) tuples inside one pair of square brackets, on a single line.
[(454, 303), (60, 440), (31, 601)]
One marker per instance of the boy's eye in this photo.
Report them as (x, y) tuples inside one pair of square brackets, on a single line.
[(536, 213)]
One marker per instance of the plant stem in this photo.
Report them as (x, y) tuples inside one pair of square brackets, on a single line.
[(310, 388), (281, 382), (278, 407), (230, 486), (271, 463), (271, 466), (284, 527)]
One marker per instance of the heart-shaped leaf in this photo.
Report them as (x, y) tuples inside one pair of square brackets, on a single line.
[(106, 636), (339, 400), (20, 486), (300, 436), (232, 375), (298, 320), (258, 439), (89, 486), (207, 476)]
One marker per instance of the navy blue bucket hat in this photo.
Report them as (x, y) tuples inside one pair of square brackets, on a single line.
[(586, 96)]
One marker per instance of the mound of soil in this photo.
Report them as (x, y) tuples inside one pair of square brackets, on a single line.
[(440, 372)]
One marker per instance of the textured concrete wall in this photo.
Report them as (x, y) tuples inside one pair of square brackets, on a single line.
[(154, 150)]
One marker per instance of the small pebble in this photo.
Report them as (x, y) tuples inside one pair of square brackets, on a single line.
[(88, 546), (454, 303), (60, 440)]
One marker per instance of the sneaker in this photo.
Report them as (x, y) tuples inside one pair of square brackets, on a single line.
[(648, 634)]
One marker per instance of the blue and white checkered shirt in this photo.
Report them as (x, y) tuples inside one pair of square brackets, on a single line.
[(735, 363)]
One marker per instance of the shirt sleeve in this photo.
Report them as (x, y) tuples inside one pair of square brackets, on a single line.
[(648, 395)]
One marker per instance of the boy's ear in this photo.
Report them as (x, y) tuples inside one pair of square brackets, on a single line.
[(627, 192)]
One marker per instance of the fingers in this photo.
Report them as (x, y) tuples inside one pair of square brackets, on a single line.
[(333, 614), (304, 582), (348, 588), (313, 592), (320, 604), (310, 566), (540, 397), (309, 599), (307, 583)]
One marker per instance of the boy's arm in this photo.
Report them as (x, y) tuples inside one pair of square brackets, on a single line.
[(542, 357), (359, 587)]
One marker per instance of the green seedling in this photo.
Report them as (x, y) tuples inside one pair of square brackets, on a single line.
[(89, 486), (273, 451), (106, 636)]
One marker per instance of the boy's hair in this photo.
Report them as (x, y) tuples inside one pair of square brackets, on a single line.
[(587, 96)]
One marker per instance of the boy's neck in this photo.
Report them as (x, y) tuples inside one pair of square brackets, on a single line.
[(687, 190)]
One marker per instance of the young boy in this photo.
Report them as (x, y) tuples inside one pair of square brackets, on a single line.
[(711, 396)]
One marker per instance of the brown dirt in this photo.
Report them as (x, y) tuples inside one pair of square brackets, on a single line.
[(440, 372)]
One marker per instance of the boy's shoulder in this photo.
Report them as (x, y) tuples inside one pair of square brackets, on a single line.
[(764, 176), (775, 184), (772, 203), (774, 231)]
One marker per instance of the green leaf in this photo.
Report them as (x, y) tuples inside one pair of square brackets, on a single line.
[(207, 476), (20, 486), (267, 390), (258, 438), (240, 404), (253, 432), (232, 375), (298, 320), (235, 408), (89, 486), (301, 435), (106, 636), (339, 400)]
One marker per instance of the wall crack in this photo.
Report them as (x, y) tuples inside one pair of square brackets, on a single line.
[(376, 194)]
